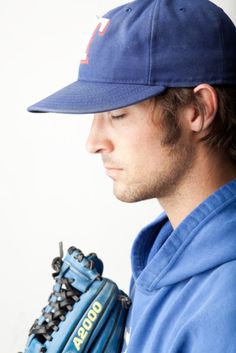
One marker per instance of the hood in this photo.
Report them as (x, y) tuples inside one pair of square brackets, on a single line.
[(205, 239)]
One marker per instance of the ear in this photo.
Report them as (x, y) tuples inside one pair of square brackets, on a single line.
[(203, 118)]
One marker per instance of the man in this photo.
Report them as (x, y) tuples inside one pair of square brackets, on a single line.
[(160, 76)]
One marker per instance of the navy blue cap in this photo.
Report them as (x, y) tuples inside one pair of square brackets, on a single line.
[(140, 49)]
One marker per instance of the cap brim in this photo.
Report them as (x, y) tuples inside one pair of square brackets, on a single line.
[(83, 97)]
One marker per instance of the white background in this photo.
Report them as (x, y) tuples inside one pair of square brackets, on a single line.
[(51, 189)]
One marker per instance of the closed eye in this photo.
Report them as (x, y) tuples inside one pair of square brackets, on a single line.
[(118, 116)]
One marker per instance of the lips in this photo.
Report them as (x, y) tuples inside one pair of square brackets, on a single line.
[(112, 171), (112, 168)]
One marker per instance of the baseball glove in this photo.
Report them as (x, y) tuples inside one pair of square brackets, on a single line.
[(85, 312)]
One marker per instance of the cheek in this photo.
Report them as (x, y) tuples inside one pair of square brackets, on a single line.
[(144, 153), (139, 146)]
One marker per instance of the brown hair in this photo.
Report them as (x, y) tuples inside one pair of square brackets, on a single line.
[(222, 132)]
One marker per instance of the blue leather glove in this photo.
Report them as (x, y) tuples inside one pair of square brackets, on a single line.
[(86, 313)]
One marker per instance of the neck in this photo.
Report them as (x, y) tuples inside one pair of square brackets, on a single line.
[(207, 175)]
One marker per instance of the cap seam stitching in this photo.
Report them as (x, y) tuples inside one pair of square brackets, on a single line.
[(151, 41), (159, 83), (219, 25), (222, 54)]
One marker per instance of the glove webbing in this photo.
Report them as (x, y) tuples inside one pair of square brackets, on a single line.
[(67, 296)]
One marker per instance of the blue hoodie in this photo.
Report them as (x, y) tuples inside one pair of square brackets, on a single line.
[(183, 284)]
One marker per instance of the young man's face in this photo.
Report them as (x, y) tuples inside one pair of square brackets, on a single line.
[(134, 154)]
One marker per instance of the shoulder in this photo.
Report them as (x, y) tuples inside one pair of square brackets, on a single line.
[(211, 325), (217, 293), (223, 277)]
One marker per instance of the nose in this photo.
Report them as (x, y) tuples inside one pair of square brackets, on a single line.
[(98, 141)]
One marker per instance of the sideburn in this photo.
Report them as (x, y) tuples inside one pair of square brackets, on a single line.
[(167, 120), (172, 130)]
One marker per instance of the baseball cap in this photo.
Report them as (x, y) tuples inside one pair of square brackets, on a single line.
[(140, 49)]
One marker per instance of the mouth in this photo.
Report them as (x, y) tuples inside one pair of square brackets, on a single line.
[(111, 167), (112, 171)]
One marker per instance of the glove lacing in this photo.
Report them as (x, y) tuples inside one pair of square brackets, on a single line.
[(66, 297)]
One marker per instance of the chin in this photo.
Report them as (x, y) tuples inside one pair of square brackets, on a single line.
[(126, 194), (122, 194), (126, 199)]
